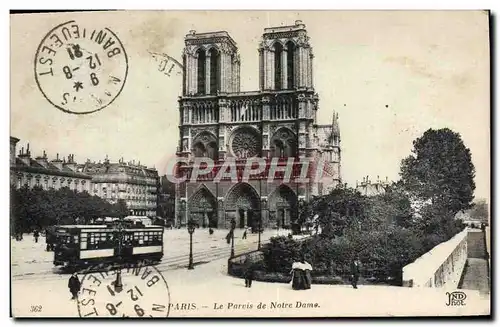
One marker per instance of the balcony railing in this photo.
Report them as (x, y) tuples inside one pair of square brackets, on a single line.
[(243, 107)]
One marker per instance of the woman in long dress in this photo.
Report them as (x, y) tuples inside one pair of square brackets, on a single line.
[(307, 268), (298, 276)]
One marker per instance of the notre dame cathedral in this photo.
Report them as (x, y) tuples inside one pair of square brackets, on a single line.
[(219, 121)]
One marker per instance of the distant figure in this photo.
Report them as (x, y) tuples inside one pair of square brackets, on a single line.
[(210, 231), (74, 286), (307, 273), (290, 236), (36, 235), (298, 276), (355, 272), (249, 272), (244, 233), (228, 237)]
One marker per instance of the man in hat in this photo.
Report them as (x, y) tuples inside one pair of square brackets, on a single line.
[(74, 285), (355, 271), (249, 272)]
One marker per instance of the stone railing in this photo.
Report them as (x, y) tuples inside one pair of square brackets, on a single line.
[(440, 267)]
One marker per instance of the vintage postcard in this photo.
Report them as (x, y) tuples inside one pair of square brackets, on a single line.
[(250, 164)]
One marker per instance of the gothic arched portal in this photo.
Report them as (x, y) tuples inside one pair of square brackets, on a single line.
[(243, 204), (203, 208), (283, 206)]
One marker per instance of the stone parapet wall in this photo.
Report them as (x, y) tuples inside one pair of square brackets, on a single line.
[(440, 267)]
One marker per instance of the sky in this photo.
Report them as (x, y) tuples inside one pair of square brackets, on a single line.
[(390, 75)]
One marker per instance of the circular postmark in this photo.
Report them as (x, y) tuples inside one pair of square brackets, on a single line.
[(136, 292), (80, 69), (167, 65)]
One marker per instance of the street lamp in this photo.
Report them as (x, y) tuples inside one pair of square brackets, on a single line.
[(260, 230), (191, 227), (233, 226), (118, 282)]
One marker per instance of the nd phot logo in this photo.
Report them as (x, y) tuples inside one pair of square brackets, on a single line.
[(456, 298)]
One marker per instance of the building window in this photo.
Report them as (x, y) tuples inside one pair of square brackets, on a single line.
[(278, 49), (46, 184), (201, 71), (214, 71), (290, 67)]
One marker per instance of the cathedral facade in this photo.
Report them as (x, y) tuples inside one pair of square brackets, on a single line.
[(277, 123)]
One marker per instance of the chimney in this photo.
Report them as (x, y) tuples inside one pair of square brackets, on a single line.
[(57, 162), (13, 144), (42, 160), (25, 156), (71, 164)]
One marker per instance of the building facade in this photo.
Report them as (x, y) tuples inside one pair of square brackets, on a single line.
[(369, 188), (277, 122), (56, 173), (133, 183)]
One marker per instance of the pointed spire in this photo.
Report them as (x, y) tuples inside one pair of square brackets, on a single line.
[(335, 124)]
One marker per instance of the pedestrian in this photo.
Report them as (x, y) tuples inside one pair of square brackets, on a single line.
[(74, 286), (307, 273), (244, 233), (249, 272), (355, 272), (36, 234), (210, 231), (298, 276)]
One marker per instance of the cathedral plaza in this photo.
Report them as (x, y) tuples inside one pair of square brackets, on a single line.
[(274, 131)]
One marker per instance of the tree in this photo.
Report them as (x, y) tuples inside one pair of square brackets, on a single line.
[(337, 210), (391, 207), (480, 211), (121, 208), (440, 169)]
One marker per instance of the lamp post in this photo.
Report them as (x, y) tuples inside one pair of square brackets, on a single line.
[(191, 227), (118, 282), (233, 226), (260, 231)]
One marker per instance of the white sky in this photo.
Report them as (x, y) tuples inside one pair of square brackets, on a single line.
[(431, 70)]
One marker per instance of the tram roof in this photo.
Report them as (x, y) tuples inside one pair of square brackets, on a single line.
[(81, 226), (102, 226)]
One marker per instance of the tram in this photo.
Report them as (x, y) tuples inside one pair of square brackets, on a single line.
[(83, 245)]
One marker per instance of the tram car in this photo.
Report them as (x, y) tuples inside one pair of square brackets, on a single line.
[(83, 245)]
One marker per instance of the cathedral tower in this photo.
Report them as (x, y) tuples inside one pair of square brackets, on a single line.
[(211, 64), (285, 58)]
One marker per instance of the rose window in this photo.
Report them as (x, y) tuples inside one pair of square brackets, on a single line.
[(245, 143)]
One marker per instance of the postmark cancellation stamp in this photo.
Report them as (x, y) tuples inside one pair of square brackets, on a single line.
[(137, 292), (80, 69)]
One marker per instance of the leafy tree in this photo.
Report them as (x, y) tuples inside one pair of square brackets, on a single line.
[(336, 211), (121, 210), (440, 169), (392, 207), (479, 211)]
